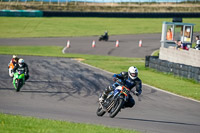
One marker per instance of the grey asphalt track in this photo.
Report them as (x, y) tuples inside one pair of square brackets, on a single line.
[(64, 89), (128, 44)]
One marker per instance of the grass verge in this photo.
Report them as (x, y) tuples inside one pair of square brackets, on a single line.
[(14, 27), (177, 85), (21, 124)]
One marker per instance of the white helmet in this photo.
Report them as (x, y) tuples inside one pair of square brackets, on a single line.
[(133, 72), (14, 56), (21, 62)]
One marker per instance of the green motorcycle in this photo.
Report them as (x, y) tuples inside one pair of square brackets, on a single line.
[(18, 80)]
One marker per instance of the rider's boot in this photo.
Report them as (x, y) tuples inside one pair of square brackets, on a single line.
[(105, 93), (103, 97)]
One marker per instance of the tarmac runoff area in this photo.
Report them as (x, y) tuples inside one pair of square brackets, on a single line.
[(65, 89)]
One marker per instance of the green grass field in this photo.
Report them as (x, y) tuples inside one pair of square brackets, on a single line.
[(20, 124), (60, 27)]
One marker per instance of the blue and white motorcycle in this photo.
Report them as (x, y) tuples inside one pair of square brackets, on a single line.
[(114, 101)]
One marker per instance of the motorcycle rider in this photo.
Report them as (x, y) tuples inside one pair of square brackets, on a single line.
[(104, 37), (106, 34), (131, 80), (14, 62), (22, 66)]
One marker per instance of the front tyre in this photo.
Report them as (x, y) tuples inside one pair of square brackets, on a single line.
[(117, 107), (100, 111), (18, 85)]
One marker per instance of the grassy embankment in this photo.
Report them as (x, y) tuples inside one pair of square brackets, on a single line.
[(104, 7), (53, 27)]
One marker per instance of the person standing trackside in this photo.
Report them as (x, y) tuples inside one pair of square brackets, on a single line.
[(197, 47), (169, 34)]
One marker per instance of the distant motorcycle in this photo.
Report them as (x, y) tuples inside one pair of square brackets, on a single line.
[(114, 101), (18, 80), (103, 37)]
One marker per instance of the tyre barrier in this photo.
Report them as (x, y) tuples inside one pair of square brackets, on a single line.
[(182, 70)]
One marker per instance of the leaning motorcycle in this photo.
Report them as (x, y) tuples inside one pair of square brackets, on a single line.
[(18, 80), (114, 101), (103, 37)]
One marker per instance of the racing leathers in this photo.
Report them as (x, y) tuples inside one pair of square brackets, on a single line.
[(11, 65), (24, 69), (129, 83)]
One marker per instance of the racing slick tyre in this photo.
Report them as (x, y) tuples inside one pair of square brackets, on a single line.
[(117, 107), (100, 111)]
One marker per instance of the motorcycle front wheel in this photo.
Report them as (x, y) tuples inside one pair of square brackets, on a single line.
[(117, 107), (19, 84)]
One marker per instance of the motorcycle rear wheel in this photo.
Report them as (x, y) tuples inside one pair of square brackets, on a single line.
[(100, 111)]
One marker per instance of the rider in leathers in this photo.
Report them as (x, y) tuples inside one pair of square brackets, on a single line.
[(22, 66), (13, 62), (131, 80)]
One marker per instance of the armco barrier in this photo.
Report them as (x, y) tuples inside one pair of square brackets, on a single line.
[(181, 70), (21, 13)]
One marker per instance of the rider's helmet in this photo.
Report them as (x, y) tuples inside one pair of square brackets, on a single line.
[(14, 59), (14, 56), (21, 62), (106, 32), (133, 72)]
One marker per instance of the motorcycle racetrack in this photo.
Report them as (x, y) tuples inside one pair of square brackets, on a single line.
[(65, 89)]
